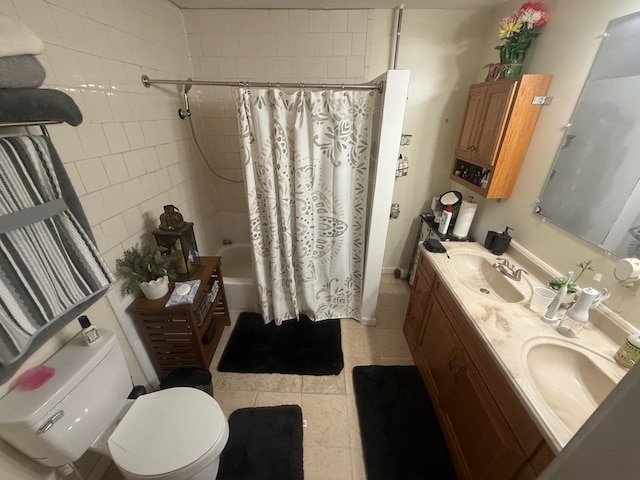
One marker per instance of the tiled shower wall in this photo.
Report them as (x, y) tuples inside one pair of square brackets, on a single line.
[(132, 154), (267, 45)]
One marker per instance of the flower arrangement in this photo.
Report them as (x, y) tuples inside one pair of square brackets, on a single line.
[(518, 31)]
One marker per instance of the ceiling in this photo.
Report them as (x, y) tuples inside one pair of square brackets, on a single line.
[(335, 4)]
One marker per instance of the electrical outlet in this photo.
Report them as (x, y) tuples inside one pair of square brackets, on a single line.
[(539, 100)]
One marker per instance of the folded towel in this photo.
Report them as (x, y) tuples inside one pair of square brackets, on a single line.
[(21, 71), (38, 105), (17, 39)]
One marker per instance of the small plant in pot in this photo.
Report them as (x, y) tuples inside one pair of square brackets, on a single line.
[(572, 288), (144, 268)]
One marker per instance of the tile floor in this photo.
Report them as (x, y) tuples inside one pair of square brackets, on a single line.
[(332, 448)]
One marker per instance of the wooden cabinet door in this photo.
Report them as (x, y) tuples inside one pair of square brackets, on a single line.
[(414, 320), (490, 450), (471, 120), (441, 351), (498, 100)]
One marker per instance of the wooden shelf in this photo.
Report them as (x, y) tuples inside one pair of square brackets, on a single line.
[(182, 336)]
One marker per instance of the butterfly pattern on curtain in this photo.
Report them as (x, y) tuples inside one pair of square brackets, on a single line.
[(306, 163)]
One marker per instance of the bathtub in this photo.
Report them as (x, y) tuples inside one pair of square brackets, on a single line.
[(239, 281)]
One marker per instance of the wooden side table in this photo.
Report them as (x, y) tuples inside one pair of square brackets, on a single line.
[(185, 335)]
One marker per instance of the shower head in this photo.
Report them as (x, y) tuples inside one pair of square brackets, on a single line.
[(187, 86)]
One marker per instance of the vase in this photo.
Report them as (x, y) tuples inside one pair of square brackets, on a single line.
[(155, 289), (509, 70)]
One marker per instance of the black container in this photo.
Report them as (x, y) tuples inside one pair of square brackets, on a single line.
[(195, 377), (488, 241), (500, 242)]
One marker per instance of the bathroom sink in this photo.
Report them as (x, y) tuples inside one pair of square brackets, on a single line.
[(571, 379), (476, 272)]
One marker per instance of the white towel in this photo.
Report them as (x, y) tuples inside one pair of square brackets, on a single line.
[(17, 39)]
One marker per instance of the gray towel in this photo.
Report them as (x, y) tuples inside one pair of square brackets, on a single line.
[(38, 105), (21, 71)]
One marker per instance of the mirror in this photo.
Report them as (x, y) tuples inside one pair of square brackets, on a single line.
[(593, 187)]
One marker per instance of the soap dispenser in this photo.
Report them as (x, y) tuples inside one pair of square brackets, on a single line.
[(578, 315), (501, 241)]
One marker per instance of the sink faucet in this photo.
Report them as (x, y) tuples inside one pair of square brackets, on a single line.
[(503, 266)]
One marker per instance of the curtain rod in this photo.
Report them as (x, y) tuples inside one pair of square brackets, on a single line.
[(147, 82)]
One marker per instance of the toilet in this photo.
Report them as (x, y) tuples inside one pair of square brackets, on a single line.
[(173, 434)]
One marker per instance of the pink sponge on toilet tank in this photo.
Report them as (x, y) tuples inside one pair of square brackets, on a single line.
[(35, 377)]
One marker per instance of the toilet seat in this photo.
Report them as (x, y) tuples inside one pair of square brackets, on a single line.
[(175, 431)]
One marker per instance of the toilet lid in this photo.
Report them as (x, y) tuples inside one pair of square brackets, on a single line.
[(166, 430)]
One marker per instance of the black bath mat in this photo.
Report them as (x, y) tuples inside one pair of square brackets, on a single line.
[(299, 347), (264, 444), (401, 436)]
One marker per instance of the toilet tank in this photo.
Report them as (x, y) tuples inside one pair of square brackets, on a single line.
[(90, 386)]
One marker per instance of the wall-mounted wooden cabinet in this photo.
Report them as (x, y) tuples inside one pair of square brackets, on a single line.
[(497, 126)]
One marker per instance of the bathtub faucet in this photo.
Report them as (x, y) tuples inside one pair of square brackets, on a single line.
[(227, 242)]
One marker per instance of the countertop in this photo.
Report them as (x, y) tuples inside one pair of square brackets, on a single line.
[(507, 328)]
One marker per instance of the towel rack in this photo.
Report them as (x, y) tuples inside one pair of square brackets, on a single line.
[(42, 125)]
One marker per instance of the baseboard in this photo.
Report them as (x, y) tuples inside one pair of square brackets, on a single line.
[(368, 322)]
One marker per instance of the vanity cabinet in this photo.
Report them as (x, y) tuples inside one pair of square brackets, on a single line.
[(489, 433), (185, 335), (418, 302), (497, 126)]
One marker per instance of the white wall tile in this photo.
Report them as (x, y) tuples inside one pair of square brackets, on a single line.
[(359, 44), (279, 21), (120, 45), (282, 68), (71, 29), (98, 37), (96, 106), (229, 46), (119, 105), (285, 46), (134, 135), (259, 21), (341, 44), (318, 21), (92, 174), (211, 45), (338, 20), (94, 207), (149, 185), (355, 67), (134, 193), (357, 20), (116, 169), (116, 137), (246, 68), (266, 45), (114, 230), (135, 164), (228, 70), (209, 67), (93, 140), (150, 160), (133, 220), (65, 65), (67, 143), (323, 44), (247, 46), (303, 44), (298, 21), (115, 199), (336, 67)]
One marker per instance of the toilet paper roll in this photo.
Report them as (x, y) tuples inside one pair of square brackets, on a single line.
[(465, 217)]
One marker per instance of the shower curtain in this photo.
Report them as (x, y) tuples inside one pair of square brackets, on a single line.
[(306, 165)]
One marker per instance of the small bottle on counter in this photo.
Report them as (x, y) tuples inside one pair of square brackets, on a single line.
[(629, 354), (446, 219), (90, 333)]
